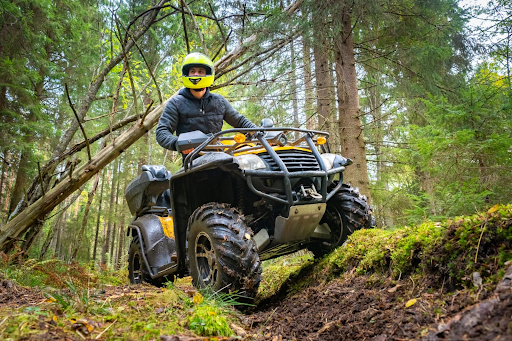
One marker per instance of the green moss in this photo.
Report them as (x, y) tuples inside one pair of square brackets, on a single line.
[(277, 271), (450, 245)]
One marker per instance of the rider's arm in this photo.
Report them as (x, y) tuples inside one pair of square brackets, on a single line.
[(167, 126), (234, 118)]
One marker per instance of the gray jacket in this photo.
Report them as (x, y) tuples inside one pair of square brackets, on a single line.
[(184, 113)]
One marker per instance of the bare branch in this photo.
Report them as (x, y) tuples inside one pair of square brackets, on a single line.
[(224, 38), (256, 63), (40, 177), (149, 70), (81, 128), (224, 44), (4, 160), (196, 26), (127, 63), (102, 97), (146, 113), (185, 27)]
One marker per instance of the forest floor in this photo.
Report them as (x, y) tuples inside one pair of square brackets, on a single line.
[(419, 283)]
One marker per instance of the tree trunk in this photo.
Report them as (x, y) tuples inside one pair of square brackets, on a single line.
[(3, 180), (60, 227), (51, 232), (322, 74), (98, 218), (22, 180), (106, 244), (350, 126), (9, 185), (308, 85), (293, 90), (90, 197), (120, 246), (115, 217)]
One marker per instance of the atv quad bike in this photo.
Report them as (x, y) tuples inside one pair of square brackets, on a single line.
[(242, 196)]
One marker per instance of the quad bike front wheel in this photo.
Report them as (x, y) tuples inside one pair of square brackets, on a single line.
[(346, 212), (222, 254), (137, 271)]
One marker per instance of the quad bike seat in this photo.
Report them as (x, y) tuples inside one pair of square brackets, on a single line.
[(149, 189)]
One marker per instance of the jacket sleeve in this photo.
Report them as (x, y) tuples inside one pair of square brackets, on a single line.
[(234, 118), (167, 126)]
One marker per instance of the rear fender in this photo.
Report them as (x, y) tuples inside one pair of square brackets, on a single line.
[(157, 246)]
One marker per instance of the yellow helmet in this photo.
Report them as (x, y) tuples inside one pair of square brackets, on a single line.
[(198, 60)]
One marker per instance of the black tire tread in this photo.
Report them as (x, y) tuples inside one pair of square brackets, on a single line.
[(355, 214), (355, 211), (236, 254)]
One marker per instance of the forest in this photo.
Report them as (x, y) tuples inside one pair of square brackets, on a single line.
[(417, 93)]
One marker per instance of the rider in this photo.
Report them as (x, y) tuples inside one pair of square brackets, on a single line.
[(195, 107)]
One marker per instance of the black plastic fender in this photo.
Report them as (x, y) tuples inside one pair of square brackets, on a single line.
[(157, 247)]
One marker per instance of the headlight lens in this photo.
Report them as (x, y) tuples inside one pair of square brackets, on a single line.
[(250, 162), (328, 160)]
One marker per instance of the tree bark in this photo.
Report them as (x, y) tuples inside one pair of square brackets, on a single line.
[(22, 178), (3, 180), (98, 218), (90, 197), (350, 126), (115, 217), (106, 243), (58, 244), (322, 73), (294, 89), (308, 85), (120, 245)]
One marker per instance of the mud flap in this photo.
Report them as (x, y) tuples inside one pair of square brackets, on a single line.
[(157, 247)]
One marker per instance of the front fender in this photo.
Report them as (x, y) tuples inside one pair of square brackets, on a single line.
[(156, 245)]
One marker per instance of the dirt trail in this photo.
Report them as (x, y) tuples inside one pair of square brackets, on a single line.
[(374, 308)]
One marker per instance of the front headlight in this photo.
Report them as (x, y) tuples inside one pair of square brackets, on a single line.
[(328, 159), (250, 162), (333, 160)]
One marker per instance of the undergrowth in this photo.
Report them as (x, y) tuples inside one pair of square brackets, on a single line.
[(56, 273)]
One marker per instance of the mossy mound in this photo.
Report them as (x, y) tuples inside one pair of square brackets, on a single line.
[(447, 253)]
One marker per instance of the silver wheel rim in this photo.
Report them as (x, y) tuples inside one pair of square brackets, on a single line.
[(206, 260)]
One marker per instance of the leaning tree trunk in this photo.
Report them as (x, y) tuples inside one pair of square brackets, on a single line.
[(350, 126)]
